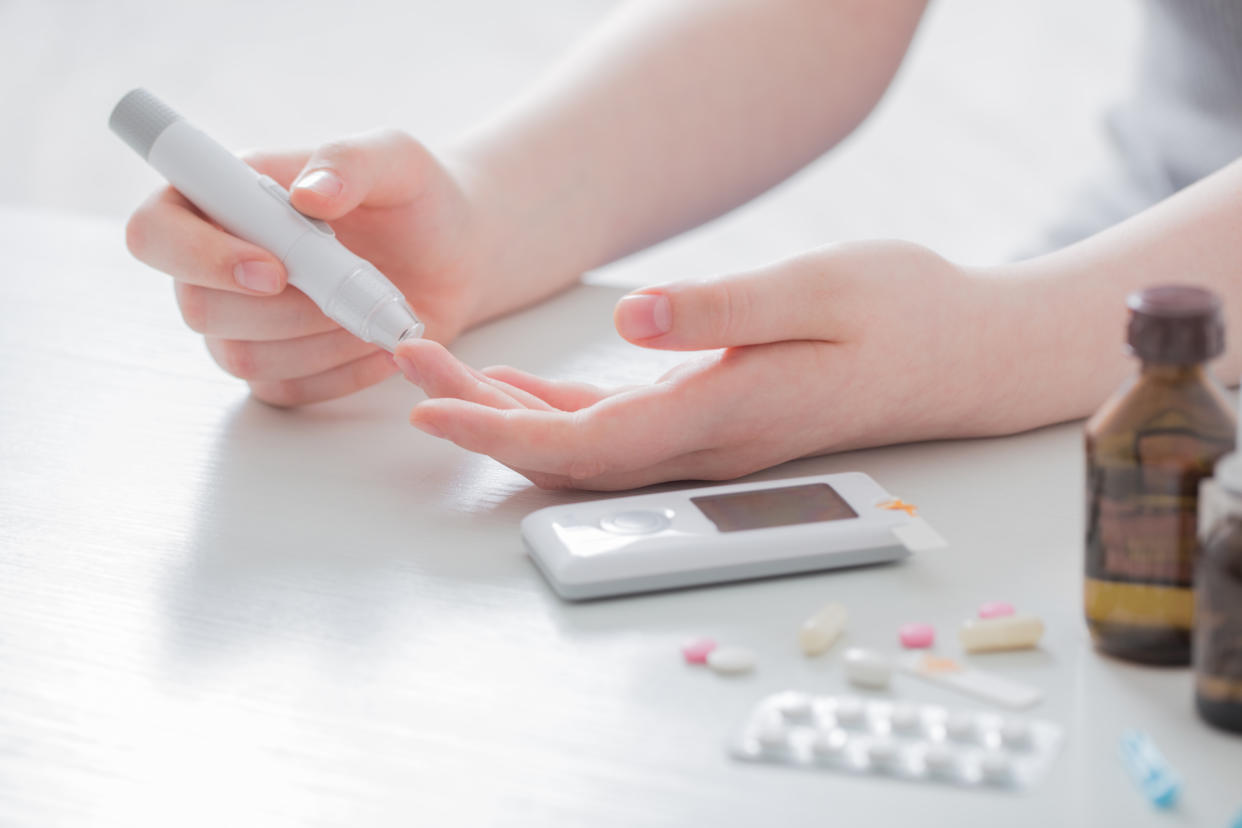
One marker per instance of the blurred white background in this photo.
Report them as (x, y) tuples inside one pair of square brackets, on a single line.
[(991, 126)]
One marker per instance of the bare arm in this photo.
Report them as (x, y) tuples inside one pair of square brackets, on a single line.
[(1075, 298), (674, 112), (671, 114)]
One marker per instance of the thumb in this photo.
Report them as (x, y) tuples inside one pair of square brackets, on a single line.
[(789, 300), (381, 168)]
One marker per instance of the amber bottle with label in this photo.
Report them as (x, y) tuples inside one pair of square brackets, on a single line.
[(1218, 598), (1148, 448)]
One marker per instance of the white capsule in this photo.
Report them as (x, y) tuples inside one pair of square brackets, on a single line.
[(1015, 734), (821, 630), (995, 766), (850, 712), (731, 660), (1014, 632), (867, 668), (939, 759)]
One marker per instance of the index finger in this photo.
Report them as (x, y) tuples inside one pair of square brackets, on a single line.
[(622, 433)]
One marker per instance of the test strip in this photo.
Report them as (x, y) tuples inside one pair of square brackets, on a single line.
[(984, 686)]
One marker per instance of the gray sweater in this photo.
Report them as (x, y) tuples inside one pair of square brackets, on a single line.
[(1182, 122)]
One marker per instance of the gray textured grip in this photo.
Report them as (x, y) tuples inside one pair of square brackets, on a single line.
[(139, 119)]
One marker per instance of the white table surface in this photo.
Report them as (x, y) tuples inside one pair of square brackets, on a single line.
[(217, 613)]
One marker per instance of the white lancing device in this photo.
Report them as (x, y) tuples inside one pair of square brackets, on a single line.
[(346, 287)]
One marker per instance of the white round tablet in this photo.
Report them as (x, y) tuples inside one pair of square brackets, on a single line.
[(731, 660)]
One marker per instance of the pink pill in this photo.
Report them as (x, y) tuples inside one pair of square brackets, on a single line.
[(696, 649), (917, 636), (995, 609)]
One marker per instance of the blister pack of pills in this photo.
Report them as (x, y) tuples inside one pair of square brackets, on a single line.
[(900, 740)]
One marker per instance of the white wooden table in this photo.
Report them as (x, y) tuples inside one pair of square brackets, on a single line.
[(217, 613)]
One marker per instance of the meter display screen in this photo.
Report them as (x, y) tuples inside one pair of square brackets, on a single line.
[(765, 508)]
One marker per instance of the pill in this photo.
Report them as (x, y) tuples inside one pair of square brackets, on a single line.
[(882, 752), (867, 668), (1016, 632), (939, 759), (696, 649), (731, 660), (796, 707), (821, 630), (1015, 734), (995, 609), (772, 737), (905, 717), (828, 744), (849, 712), (995, 766), (960, 727), (917, 636)]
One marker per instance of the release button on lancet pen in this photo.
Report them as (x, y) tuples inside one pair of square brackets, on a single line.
[(279, 193)]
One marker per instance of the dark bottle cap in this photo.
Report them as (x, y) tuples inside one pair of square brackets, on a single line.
[(1175, 324)]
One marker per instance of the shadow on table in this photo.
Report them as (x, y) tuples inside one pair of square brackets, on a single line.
[(330, 516)]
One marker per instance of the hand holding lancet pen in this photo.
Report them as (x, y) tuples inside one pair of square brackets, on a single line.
[(346, 287)]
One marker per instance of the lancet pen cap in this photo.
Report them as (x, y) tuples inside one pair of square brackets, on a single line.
[(139, 118)]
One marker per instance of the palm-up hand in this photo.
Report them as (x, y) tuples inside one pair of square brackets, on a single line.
[(849, 346)]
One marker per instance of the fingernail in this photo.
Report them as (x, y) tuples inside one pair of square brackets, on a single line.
[(644, 315), (262, 277), (428, 428), (324, 182), (407, 367)]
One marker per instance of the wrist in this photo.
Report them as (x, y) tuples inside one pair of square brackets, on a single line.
[(521, 251), (1057, 342)]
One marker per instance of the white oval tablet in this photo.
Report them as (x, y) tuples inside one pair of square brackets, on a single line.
[(867, 668), (731, 660)]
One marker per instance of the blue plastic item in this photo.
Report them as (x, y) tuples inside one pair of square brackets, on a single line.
[(1149, 769)]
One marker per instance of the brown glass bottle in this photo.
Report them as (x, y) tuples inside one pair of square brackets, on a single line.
[(1218, 598), (1148, 447)]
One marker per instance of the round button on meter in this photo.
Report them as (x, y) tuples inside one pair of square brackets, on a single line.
[(636, 522)]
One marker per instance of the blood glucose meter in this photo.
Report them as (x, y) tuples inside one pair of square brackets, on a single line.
[(721, 533)]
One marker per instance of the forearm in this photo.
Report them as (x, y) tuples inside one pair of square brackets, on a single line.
[(1073, 300), (672, 113)]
